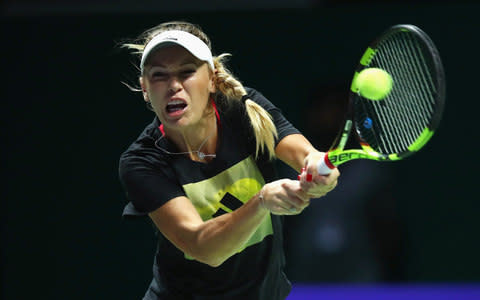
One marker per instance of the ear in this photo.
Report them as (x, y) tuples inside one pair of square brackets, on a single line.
[(212, 88), (144, 89)]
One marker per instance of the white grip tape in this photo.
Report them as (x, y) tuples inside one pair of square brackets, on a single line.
[(322, 167)]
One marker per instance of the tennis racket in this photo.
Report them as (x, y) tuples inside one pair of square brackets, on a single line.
[(405, 120)]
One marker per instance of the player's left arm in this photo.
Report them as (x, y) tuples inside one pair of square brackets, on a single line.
[(297, 152), (293, 149)]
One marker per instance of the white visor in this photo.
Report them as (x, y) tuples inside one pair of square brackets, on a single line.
[(193, 44)]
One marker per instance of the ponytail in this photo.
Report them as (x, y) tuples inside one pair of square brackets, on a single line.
[(263, 127)]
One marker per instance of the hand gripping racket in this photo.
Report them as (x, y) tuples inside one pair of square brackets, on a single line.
[(405, 120)]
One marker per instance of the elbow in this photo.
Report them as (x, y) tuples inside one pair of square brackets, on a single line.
[(208, 252), (213, 261), (215, 264), (211, 256)]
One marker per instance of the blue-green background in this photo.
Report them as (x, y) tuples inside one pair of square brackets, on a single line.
[(66, 118)]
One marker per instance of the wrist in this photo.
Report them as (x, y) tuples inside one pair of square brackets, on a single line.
[(261, 199)]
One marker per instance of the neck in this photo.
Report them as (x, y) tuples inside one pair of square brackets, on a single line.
[(200, 138)]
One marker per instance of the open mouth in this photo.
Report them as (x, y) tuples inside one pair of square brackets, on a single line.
[(176, 106)]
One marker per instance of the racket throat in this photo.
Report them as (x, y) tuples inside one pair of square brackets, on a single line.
[(345, 134)]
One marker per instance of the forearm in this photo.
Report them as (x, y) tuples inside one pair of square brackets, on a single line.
[(293, 149), (219, 238)]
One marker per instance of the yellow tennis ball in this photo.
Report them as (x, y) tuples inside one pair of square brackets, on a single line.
[(374, 83)]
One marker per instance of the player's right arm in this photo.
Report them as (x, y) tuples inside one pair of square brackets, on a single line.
[(215, 240)]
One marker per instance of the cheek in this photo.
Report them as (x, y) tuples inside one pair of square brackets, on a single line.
[(204, 79), (155, 91), (200, 86)]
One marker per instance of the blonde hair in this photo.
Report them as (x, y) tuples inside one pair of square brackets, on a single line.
[(261, 121)]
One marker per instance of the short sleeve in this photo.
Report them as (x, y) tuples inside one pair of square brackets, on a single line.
[(148, 185), (284, 127)]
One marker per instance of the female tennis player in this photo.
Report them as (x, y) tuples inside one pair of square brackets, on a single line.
[(203, 171)]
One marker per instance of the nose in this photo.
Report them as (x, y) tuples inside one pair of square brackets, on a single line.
[(174, 84)]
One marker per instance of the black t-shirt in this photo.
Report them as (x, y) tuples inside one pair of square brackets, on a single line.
[(151, 177)]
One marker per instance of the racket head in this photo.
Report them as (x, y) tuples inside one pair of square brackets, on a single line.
[(405, 120)]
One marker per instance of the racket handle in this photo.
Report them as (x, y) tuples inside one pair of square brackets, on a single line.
[(324, 166)]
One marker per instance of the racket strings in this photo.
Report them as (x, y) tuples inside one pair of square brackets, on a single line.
[(399, 119), (400, 115)]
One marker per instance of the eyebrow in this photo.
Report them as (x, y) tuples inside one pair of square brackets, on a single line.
[(186, 61)]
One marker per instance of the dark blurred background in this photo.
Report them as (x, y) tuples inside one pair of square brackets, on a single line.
[(67, 118)]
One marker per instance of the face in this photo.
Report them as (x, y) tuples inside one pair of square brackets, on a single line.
[(178, 85)]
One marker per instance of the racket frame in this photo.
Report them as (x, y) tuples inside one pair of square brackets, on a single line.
[(337, 155)]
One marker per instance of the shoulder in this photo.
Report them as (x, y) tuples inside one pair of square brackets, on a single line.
[(141, 154), (145, 141), (228, 105), (260, 99), (146, 175)]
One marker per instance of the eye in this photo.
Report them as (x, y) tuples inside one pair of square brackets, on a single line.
[(187, 72), (158, 74)]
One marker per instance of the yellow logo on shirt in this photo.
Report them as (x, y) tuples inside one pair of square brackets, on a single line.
[(226, 192)]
